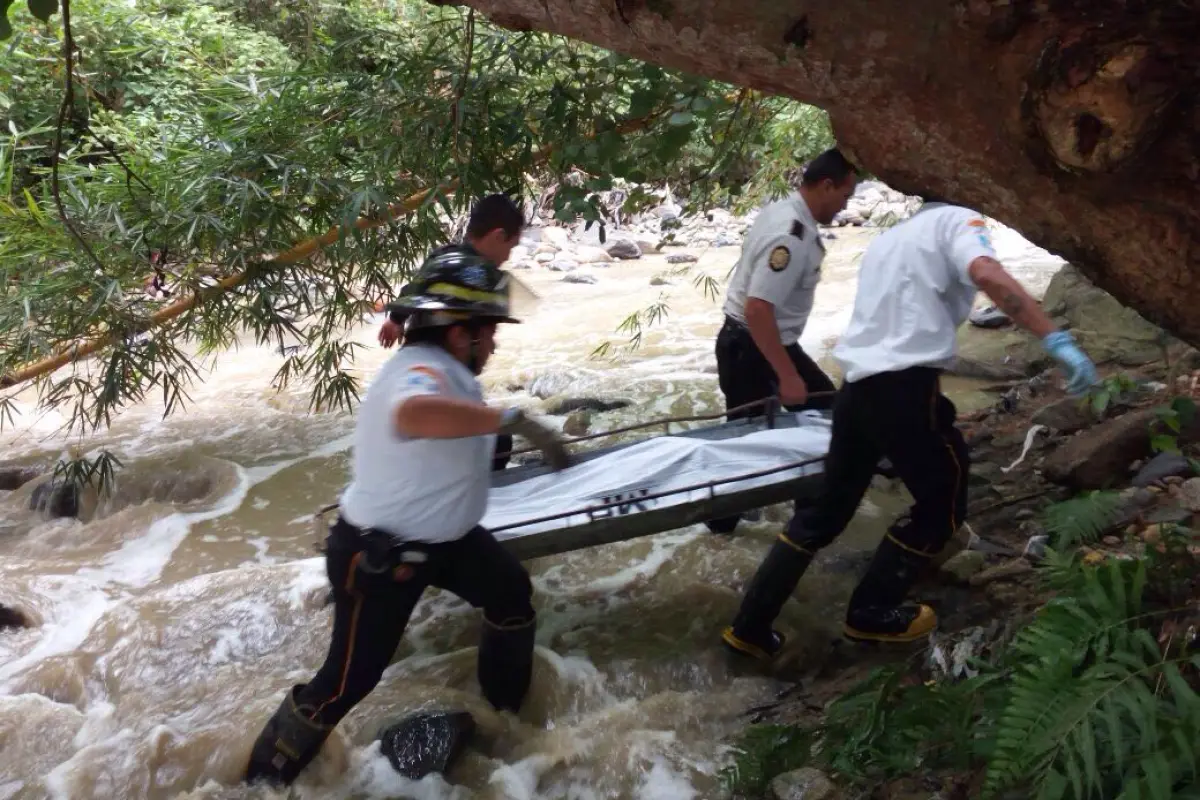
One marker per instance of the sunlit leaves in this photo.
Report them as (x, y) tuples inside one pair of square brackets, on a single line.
[(240, 133)]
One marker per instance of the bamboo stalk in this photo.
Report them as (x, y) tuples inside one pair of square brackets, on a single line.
[(297, 253), (169, 312)]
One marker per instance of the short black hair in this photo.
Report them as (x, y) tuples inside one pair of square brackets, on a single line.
[(832, 165), (492, 212)]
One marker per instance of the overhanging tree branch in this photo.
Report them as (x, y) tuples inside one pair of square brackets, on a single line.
[(296, 254)]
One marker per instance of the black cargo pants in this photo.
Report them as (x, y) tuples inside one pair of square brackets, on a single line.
[(901, 415), (904, 416), (376, 586), (745, 376)]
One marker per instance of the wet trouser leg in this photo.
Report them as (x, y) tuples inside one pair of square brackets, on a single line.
[(903, 416), (932, 459), (849, 466), (373, 599), (374, 596), (490, 578), (745, 376)]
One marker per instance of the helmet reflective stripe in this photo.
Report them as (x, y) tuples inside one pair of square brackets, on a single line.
[(464, 293)]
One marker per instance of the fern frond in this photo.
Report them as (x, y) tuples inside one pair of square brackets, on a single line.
[(1081, 519), (1097, 709)]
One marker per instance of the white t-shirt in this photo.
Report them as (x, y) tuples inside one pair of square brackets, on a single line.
[(914, 291), (781, 264), (425, 490)]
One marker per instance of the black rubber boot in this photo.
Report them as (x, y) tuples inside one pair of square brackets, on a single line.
[(751, 633), (506, 662), (877, 611), (288, 742)]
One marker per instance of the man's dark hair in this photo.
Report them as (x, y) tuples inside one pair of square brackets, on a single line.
[(426, 336), (492, 212), (832, 165)]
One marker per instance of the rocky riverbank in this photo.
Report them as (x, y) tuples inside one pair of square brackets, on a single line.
[(665, 226), (990, 348), (1135, 444)]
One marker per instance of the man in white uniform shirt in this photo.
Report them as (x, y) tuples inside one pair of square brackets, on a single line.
[(917, 285), (770, 297), (409, 519)]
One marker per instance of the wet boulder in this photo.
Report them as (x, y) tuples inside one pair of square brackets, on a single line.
[(624, 249), (1163, 465), (55, 499), (1099, 457), (12, 618), (1067, 415), (12, 478), (430, 741), (803, 784)]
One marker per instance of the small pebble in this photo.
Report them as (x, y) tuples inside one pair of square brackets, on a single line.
[(1025, 513), (1112, 541), (1173, 480)]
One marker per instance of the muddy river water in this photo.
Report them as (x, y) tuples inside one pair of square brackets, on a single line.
[(171, 621)]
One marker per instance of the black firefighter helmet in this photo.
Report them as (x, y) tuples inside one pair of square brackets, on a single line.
[(453, 287)]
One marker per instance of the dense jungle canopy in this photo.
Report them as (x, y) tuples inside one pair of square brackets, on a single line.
[(198, 142)]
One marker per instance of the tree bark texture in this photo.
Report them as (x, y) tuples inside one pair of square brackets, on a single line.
[(1073, 121)]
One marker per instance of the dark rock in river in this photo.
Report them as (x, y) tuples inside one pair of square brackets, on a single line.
[(55, 499), (12, 618), (427, 742)]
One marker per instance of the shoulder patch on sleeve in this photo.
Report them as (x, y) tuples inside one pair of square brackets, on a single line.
[(797, 229), (779, 258), (422, 378), (979, 227)]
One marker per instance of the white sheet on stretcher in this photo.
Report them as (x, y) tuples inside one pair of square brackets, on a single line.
[(653, 466)]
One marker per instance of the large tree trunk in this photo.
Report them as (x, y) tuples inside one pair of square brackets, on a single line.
[(1073, 121)]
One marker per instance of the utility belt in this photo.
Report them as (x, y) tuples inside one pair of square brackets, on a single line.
[(733, 326), (740, 330), (381, 551)]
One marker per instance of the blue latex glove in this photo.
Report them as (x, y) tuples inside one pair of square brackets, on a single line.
[(1081, 372)]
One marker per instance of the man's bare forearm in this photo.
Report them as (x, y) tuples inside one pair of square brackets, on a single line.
[(438, 417), (1010, 297), (764, 330)]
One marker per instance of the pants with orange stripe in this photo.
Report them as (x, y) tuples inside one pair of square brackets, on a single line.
[(371, 612), (376, 586), (904, 417)]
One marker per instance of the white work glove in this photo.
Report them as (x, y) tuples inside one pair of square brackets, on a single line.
[(544, 438)]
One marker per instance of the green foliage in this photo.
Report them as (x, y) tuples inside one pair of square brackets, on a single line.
[(1095, 698), (40, 9), (204, 137), (791, 135), (887, 726), (1169, 423), (1098, 706), (99, 472), (764, 751), (1113, 389), (1081, 519)]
